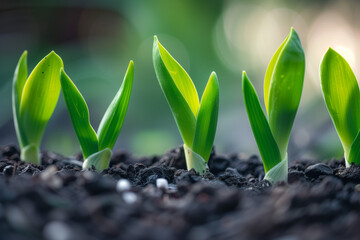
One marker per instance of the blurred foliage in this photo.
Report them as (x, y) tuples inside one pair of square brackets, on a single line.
[(96, 40)]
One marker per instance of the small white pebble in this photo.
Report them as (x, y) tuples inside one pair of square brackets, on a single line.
[(129, 197), (162, 183), (57, 230), (123, 185), (88, 175), (48, 173)]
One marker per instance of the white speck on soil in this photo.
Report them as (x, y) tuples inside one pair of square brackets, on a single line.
[(162, 183), (57, 230), (129, 197), (123, 185)]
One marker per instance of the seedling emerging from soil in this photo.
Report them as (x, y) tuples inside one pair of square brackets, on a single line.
[(342, 97), (196, 120), (283, 85), (97, 147), (34, 99)]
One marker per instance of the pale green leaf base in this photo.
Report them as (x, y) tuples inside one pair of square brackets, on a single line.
[(100, 160), (195, 161), (279, 172), (347, 164), (30, 154)]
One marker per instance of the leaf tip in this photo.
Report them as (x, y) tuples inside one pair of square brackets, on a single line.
[(23, 57), (244, 75), (130, 68), (53, 55), (214, 77), (213, 74), (156, 40), (330, 51), (292, 31), (131, 65), (327, 56)]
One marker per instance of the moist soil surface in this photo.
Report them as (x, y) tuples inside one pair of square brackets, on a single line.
[(59, 201)]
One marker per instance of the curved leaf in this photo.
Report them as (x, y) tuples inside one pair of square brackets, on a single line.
[(181, 79), (114, 116), (79, 114), (341, 93), (207, 119), (269, 73), (285, 90), (183, 114), (19, 80), (265, 140), (39, 97)]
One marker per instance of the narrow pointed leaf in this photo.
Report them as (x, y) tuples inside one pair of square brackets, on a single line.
[(181, 78), (79, 114), (269, 73), (285, 90), (265, 140), (342, 97), (39, 97), (184, 115), (20, 77), (114, 116), (207, 119)]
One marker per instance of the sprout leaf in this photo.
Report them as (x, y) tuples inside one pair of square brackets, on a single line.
[(207, 119), (342, 97), (39, 97), (196, 121), (181, 100), (79, 114), (114, 116), (285, 90), (264, 138), (19, 81)]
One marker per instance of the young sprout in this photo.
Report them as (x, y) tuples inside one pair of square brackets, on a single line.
[(282, 91), (196, 120), (342, 97), (34, 99), (97, 147)]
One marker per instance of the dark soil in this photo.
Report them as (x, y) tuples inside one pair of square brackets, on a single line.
[(59, 201)]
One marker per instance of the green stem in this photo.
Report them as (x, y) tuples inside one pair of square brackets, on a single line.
[(195, 161), (30, 154)]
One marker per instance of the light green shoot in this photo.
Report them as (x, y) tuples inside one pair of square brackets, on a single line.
[(342, 97), (196, 120), (97, 147), (282, 92), (34, 99)]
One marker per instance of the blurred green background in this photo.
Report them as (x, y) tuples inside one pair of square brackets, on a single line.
[(97, 39)]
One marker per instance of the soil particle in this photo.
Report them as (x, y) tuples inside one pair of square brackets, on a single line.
[(318, 169)]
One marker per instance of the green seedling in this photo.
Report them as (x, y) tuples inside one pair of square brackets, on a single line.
[(342, 97), (97, 147), (282, 92), (34, 99), (196, 120)]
